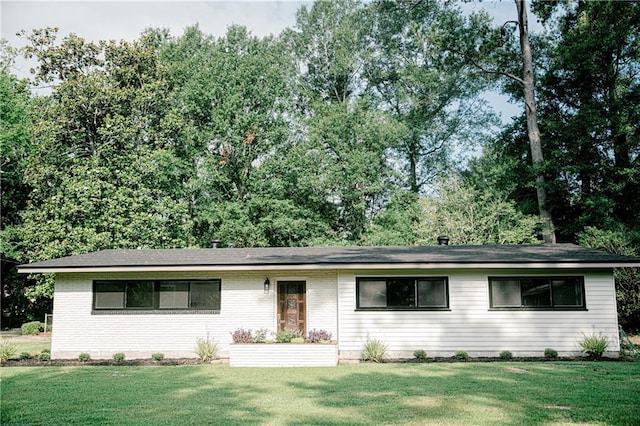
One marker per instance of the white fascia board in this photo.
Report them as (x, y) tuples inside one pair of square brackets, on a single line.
[(306, 267)]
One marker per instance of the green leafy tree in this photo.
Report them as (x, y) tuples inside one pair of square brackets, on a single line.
[(343, 131), (430, 92), (469, 215), (100, 172), (591, 111), (623, 242), (15, 147)]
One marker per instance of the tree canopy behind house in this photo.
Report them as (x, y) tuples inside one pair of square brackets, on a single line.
[(363, 124)]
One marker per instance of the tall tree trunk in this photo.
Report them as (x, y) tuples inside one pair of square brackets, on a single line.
[(548, 232)]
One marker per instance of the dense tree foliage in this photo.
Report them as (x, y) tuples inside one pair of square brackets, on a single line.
[(355, 126)]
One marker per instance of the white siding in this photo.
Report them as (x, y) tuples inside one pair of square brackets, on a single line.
[(469, 325), (243, 304), (276, 355)]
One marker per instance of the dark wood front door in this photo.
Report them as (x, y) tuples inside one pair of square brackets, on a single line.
[(292, 305)]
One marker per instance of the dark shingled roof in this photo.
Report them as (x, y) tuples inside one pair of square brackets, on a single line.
[(369, 256)]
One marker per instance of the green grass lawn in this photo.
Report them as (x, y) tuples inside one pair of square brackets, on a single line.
[(360, 394)]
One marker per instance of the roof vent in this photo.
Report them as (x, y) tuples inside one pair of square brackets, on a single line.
[(216, 243), (443, 240)]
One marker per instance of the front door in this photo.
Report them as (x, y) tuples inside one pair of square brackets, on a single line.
[(292, 301)]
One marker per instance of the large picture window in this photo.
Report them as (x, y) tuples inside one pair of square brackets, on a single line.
[(165, 295), (402, 293), (536, 292)]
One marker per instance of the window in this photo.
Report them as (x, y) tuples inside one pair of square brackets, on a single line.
[(536, 292), (134, 296), (399, 293)]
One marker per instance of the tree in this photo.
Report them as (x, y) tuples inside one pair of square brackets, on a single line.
[(625, 242), (470, 215), (100, 171), (343, 131), (16, 145), (231, 118), (527, 81), (431, 94), (590, 106)]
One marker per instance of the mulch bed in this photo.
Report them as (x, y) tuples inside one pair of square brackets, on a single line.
[(34, 362)]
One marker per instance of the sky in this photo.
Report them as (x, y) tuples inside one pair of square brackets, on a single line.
[(124, 20)]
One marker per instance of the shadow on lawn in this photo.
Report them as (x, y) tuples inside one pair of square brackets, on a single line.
[(125, 395), (463, 394)]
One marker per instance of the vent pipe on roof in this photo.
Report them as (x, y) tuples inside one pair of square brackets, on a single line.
[(216, 243), (443, 240)]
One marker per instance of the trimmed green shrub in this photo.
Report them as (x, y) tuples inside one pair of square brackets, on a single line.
[(44, 356), (47, 350), (7, 350), (157, 356), (374, 350), (206, 349), (84, 357), (550, 353), (594, 345), (286, 335), (118, 358), (506, 355), (24, 355), (461, 355), (33, 327), (420, 354)]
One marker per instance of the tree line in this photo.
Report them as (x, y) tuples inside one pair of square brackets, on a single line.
[(363, 124)]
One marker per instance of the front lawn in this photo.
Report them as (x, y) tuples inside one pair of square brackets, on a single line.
[(360, 394)]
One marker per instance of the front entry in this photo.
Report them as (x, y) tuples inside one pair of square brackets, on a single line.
[(292, 301)]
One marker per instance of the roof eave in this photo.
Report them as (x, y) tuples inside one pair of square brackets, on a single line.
[(26, 269)]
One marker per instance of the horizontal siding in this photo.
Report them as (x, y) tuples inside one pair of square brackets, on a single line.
[(243, 304), (470, 325), (283, 355)]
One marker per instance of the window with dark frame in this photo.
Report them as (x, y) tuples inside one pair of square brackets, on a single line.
[(402, 293), (559, 293), (157, 295)]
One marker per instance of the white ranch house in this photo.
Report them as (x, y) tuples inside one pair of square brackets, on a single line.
[(441, 299)]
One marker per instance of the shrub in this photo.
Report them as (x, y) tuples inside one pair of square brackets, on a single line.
[(84, 357), (260, 336), (374, 350), (33, 327), (24, 355), (594, 345), (242, 336), (316, 336), (461, 355), (286, 335), (506, 355), (44, 356), (118, 358), (7, 350), (420, 354), (157, 356), (47, 350), (206, 349), (550, 353), (297, 340)]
